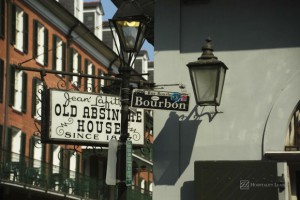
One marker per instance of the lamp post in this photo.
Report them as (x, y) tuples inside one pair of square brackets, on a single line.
[(207, 76), (130, 24)]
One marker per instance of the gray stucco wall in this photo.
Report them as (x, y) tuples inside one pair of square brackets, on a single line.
[(259, 42)]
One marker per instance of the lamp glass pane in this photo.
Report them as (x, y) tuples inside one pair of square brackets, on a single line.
[(129, 33), (221, 83), (205, 83)]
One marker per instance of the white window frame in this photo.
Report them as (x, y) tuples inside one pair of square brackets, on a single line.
[(89, 81), (40, 44), (37, 153), (102, 82), (75, 68), (16, 139), (55, 158), (19, 29), (72, 168), (18, 90), (59, 55)]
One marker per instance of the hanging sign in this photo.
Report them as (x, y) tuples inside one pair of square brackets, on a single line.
[(88, 118), (163, 100)]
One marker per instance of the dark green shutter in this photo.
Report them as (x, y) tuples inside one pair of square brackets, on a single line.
[(70, 61), (33, 97), (25, 33), (8, 144), (62, 158), (13, 24), (93, 80), (54, 38), (1, 136), (77, 163), (23, 148), (31, 150), (24, 91), (12, 86), (51, 158), (1, 79), (45, 47), (63, 57), (2, 18), (69, 154), (35, 29), (43, 152), (86, 63), (79, 70)]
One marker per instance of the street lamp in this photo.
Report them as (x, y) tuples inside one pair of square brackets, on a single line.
[(207, 76), (130, 23)]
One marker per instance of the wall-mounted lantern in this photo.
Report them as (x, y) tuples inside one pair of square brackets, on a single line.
[(207, 76)]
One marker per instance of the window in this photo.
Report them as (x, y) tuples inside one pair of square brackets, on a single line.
[(18, 89), (19, 29), (15, 144), (74, 66), (37, 88), (292, 140), (101, 82), (1, 79), (37, 152), (56, 155), (40, 43), (73, 163), (89, 82), (2, 18), (59, 54)]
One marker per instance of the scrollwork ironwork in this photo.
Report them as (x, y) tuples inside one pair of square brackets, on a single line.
[(61, 84)]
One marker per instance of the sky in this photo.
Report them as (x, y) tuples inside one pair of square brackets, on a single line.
[(109, 11)]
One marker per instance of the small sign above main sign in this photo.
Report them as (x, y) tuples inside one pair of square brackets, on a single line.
[(163, 100)]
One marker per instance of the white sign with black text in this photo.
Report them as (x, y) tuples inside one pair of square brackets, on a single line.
[(85, 118)]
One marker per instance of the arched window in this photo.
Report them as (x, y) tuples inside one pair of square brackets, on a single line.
[(292, 140)]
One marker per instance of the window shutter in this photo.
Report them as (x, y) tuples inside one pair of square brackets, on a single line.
[(1, 79), (62, 158), (13, 24), (86, 63), (51, 158), (54, 38), (79, 70), (33, 97), (63, 67), (8, 144), (46, 47), (31, 150), (1, 131), (24, 92), (12, 85), (2, 18), (77, 163), (70, 62), (67, 164), (23, 148), (34, 50), (93, 80), (25, 33)]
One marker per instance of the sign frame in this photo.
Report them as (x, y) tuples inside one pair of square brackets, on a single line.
[(47, 120), (160, 100)]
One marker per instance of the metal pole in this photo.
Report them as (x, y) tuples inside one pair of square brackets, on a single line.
[(121, 158)]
